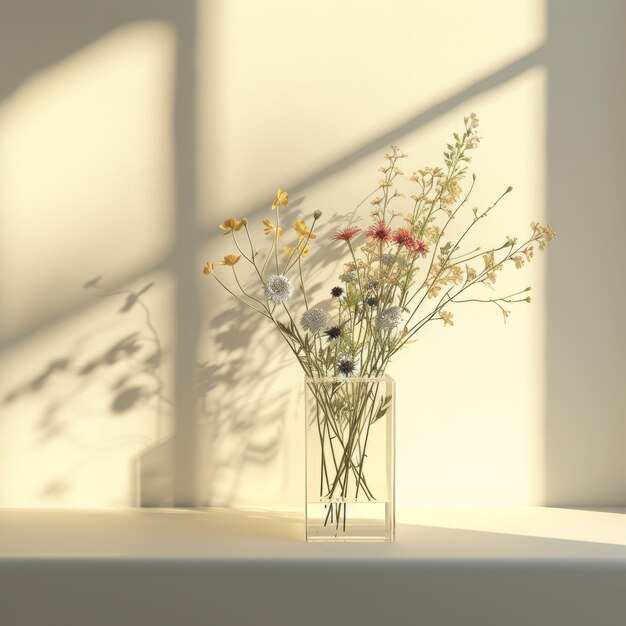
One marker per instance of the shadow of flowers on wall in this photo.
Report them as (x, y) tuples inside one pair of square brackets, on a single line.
[(106, 392)]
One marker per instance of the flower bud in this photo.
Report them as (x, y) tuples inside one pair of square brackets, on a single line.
[(317, 214)]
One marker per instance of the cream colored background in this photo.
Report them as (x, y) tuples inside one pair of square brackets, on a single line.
[(128, 131)]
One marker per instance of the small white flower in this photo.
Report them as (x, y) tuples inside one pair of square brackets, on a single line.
[(278, 288), (389, 318), (348, 277), (314, 320)]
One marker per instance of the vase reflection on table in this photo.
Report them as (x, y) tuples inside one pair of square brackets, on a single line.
[(350, 459)]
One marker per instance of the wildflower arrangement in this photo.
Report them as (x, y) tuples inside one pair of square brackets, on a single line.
[(402, 271)]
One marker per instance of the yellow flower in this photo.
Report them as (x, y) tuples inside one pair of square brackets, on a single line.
[(302, 231), (231, 224), (282, 198), (230, 259), (269, 228), (446, 316), (209, 268)]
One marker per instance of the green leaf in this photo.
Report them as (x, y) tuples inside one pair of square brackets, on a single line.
[(385, 403), (285, 329)]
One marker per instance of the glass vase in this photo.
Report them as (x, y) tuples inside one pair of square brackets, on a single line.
[(350, 459)]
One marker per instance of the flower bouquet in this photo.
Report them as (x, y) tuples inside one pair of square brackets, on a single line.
[(402, 271)]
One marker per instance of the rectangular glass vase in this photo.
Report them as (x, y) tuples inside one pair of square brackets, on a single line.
[(350, 459)]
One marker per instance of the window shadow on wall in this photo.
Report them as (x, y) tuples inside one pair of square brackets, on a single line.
[(34, 36), (585, 345)]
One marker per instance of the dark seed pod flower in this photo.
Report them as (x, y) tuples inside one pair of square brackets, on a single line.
[(346, 365), (333, 333)]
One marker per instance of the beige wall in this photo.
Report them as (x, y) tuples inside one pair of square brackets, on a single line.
[(131, 131)]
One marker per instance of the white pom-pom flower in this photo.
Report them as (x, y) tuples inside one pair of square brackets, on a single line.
[(389, 318), (314, 320), (278, 288)]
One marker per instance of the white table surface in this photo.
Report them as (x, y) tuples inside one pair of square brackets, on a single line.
[(277, 534), (449, 566)]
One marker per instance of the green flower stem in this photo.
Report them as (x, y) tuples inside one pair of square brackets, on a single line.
[(252, 254), (346, 464), (276, 231), (232, 293)]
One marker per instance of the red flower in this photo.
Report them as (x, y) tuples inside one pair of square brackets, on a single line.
[(346, 234), (404, 238), (379, 231), (419, 248)]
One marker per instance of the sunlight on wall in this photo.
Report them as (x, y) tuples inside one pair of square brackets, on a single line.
[(86, 169), (296, 98), (85, 161), (477, 434), (287, 88)]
